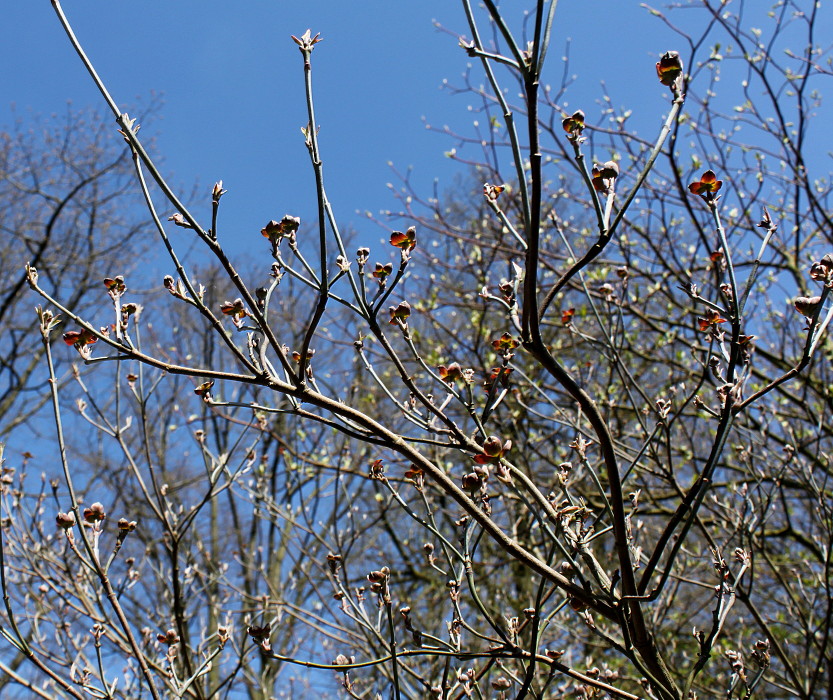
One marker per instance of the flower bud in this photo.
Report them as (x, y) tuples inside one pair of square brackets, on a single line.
[(95, 513), (65, 520), (807, 306)]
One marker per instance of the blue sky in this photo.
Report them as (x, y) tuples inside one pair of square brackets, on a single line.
[(232, 84)]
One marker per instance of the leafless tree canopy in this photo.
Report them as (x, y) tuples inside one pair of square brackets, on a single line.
[(63, 194), (567, 435)]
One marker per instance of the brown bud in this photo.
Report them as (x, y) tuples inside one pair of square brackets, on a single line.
[(65, 520), (604, 176), (170, 637), (807, 306), (95, 513), (471, 482), (574, 124), (259, 635), (492, 446), (379, 576), (609, 170), (180, 220), (822, 269), (670, 68), (577, 605)]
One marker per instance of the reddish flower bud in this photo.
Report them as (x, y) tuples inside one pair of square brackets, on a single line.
[(296, 356), (275, 230), (80, 338), (204, 389), (707, 186), (506, 343), (127, 525), (379, 576), (712, 318), (115, 285), (670, 68), (235, 309), (382, 271), (377, 469), (95, 513), (260, 635), (493, 450), (400, 313), (492, 192), (451, 373), (604, 176), (497, 374), (492, 446), (404, 241), (574, 124), (170, 637)]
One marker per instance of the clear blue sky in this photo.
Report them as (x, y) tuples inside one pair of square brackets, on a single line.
[(232, 86)]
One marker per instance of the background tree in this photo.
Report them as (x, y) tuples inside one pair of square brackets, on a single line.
[(568, 458), (63, 191)]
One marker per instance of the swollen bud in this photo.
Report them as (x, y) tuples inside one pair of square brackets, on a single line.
[(807, 306), (670, 70)]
